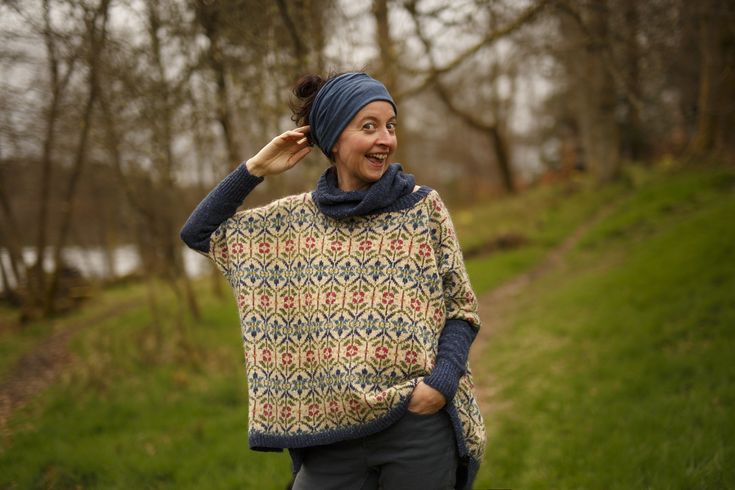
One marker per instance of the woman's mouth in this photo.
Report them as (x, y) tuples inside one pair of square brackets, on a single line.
[(377, 159)]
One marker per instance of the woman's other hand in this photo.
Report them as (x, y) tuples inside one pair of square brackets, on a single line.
[(283, 152), (425, 400)]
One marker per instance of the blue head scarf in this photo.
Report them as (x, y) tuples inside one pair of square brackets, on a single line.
[(337, 102)]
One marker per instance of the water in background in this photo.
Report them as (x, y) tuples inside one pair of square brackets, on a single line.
[(92, 262)]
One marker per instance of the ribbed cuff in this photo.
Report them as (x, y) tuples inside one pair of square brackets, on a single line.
[(451, 357), (221, 203), (445, 378), (239, 183)]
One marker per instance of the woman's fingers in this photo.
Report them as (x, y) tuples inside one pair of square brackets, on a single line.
[(296, 157), (298, 132)]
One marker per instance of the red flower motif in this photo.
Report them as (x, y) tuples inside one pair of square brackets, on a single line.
[(288, 302), (286, 358), (380, 396), (267, 410), (358, 297), (354, 405), (288, 245), (264, 300), (438, 315), (365, 245), (424, 250), (415, 304), (313, 410), (469, 297), (223, 252), (388, 298), (327, 353), (351, 350), (286, 412), (310, 356), (266, 355), (241, 300), (238, 248), (331, 298), (333, 406), (396, 244), (381, 352), (310, 242), (307, 298), (411, 356), (264, 247), (336, 245)]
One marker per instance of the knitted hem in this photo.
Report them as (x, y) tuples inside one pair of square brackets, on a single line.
[(466, 470), (262, 441)]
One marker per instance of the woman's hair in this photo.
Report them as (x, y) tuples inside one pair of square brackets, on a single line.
[(305, 90)]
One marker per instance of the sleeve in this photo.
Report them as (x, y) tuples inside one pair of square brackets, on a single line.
[(462, 319), (204, 231)]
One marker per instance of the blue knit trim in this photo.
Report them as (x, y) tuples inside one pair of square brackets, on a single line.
[(406, 202), (466, 471), (454, 347), (262, 441), (468, 466), (219, 205)]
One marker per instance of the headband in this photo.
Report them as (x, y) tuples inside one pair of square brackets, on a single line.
[(337, 102)]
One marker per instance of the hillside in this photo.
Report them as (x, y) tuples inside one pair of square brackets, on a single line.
[(607, 367)]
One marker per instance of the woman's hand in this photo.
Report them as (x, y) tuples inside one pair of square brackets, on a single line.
[(283, 152), (426, 400)]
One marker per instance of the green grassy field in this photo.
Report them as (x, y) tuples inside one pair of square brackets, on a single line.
[(613, 372), (616, 372)]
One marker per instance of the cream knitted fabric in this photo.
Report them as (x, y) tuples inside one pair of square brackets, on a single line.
[(340, 318)]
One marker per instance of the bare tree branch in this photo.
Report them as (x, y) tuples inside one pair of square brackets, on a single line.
[(435, 72), (611, 66)]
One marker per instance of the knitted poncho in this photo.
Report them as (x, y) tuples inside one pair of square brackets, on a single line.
[(340, 318)]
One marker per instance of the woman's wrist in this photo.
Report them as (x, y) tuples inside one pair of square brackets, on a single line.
[(253, 168)]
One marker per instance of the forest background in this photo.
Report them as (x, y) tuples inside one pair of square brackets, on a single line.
[(117, 116)]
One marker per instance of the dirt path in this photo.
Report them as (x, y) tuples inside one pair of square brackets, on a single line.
[(495, 305), (38, 369)]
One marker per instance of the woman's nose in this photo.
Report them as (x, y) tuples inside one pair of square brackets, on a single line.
[(386, 138)]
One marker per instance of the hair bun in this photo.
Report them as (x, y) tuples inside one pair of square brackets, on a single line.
[(305, 90), (307, 86)]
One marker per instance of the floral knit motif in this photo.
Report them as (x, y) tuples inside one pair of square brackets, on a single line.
[(340, 319)]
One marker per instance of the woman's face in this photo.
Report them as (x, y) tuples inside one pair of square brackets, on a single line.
[(365, 147)]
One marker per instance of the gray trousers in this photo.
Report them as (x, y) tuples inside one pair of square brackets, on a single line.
[(418, 452)]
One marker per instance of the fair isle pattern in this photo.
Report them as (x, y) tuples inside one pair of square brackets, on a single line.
[(341, 318)]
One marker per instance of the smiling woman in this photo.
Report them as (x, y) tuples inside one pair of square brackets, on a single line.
[(356, 310), (364, 149)]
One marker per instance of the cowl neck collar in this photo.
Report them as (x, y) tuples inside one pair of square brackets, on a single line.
[(385, 194)]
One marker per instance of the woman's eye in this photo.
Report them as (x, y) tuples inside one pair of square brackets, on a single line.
[(391, 126), (369, 126)]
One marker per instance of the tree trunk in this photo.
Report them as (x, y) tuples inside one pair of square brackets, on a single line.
[(595, 90), (633, 139), (37, 279), (716, 99), (10, 233), (209, 17), (174, 271), (96, 39)]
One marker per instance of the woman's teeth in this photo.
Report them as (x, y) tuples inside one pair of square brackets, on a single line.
[(377, 156)]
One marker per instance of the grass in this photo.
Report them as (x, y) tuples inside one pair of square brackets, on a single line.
[(613, 372), (617, 371), (137, 414), (543, 217)]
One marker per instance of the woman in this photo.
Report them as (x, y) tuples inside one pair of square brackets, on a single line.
[(355, 307)]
